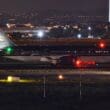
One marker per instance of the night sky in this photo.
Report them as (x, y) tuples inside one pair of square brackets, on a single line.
[(87, 6)]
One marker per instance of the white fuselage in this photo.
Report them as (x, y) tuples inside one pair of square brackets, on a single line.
[(4, 41)]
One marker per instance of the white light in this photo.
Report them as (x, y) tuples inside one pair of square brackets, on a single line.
[(8, 25), (40, 33), (90, 36), (60, 77), (89, 28), (65, 28), (79, 36)]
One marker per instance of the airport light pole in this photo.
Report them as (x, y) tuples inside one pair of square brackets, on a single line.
[(109, 12), (44, 87), (80, 87)]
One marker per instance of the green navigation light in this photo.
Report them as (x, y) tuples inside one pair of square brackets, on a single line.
[(8, 50)]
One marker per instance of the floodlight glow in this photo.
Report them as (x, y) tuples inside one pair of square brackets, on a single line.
[(40, 33), (89, 28), (9, 79), (60, 77), (13, 79), (8, 25), (79, 36)]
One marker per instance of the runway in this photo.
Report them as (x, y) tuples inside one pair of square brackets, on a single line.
[(51, 72)]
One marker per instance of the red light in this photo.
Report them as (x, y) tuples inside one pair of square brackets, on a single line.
[(102, 45), (78, 63), (91, 63), (83, 64)]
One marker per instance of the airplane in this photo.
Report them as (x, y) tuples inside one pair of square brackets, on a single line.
[(6, 46)]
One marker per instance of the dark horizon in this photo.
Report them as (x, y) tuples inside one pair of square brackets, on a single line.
[(93, 7)]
